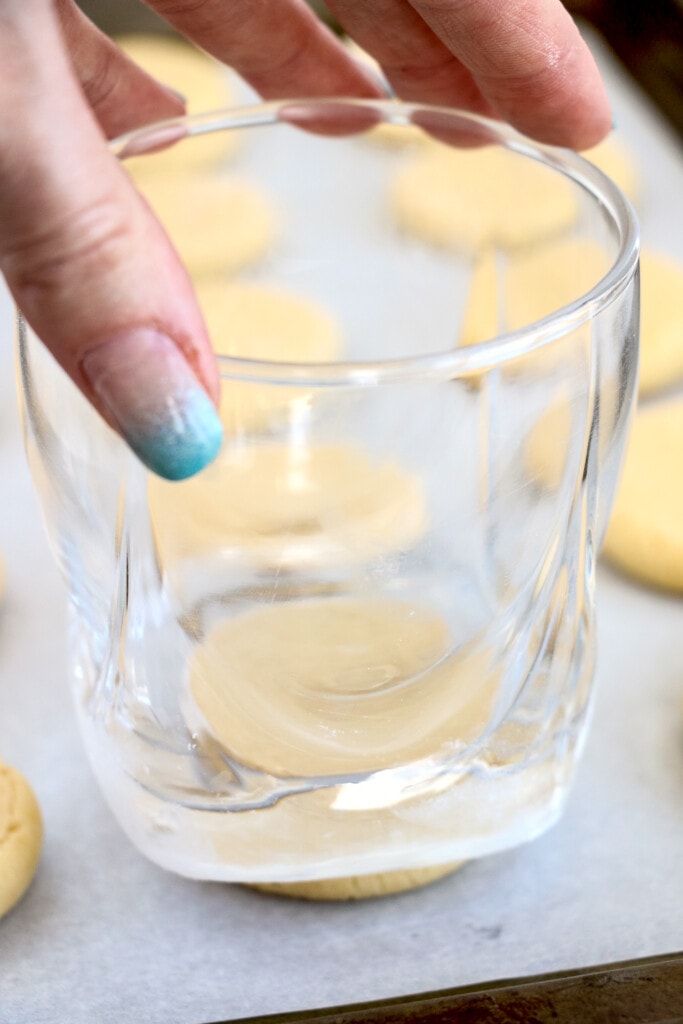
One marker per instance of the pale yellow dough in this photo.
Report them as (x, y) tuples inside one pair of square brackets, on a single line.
[(217, 224), (277, 505), (21, 836), (206, 86), (469, 199), (512, 292), (338, 685), (359, 887), (645, 534), (661, 322), (617, 163), (255, 321), (547, 445)]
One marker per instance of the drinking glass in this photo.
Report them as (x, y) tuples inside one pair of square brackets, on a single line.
[(363, 638)]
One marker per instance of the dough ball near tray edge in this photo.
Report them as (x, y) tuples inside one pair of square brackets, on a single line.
[(21, 836)]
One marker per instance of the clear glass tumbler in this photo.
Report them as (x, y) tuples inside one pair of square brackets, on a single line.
[(363, 639)]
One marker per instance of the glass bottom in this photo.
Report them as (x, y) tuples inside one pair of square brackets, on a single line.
[(379, 823)]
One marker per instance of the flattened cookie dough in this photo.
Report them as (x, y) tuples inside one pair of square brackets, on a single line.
[(645, 534), (547, 445), (328, 686), (359, 887), (275, 505), (617, 163), (512, 293), (21, 836), (255, 321), (206, 86), (661, 322), (468, 199), (218, 225)]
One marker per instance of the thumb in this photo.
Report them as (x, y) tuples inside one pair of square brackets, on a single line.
[(87, 263)]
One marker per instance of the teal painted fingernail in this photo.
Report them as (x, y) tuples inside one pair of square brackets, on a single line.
[(147, 388)]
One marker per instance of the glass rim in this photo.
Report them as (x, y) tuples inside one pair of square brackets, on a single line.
[(460, 362)]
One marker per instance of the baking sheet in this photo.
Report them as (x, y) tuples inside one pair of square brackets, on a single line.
[(103, 935)]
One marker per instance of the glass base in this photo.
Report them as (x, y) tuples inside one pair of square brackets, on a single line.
[(320, 834)]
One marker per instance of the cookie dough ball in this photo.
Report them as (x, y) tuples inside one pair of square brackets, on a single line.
[(645, 535), (617, 163), (203, 82), (21, 836), (330, 686), (661, 322), (276, 505), (359, 887), (218, 225), (468, 199), (255, 321)]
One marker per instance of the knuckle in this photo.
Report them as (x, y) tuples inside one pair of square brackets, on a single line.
[(180, 8), (92, 238)]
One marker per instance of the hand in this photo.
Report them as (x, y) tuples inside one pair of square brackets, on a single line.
[(87, 263)]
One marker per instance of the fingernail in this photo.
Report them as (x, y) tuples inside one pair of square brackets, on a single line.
[(149, 391)]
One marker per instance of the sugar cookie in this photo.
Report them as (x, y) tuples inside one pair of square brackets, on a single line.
[(21, 836), (254, 321), (338, 685), (359, 887), (546, 278), (278, 505), (645, 534), (472, 198), (661, 322), (547, 445), (218, 225), (617, 163), (512, 292), (481, 319), (206, 86)]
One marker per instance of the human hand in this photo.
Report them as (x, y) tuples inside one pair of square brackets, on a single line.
[(86, 261)]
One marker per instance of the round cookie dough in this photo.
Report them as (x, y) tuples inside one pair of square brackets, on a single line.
[(255, 321), (548, 444), (337, 686), (217, 224), (661, 322), (645, 534), (617, 163), (276, 505), (359, 887), (527, 286), (203, 82), (21, 836), (467, 199)]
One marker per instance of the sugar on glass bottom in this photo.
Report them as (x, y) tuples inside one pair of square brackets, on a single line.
[(338, 736)]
